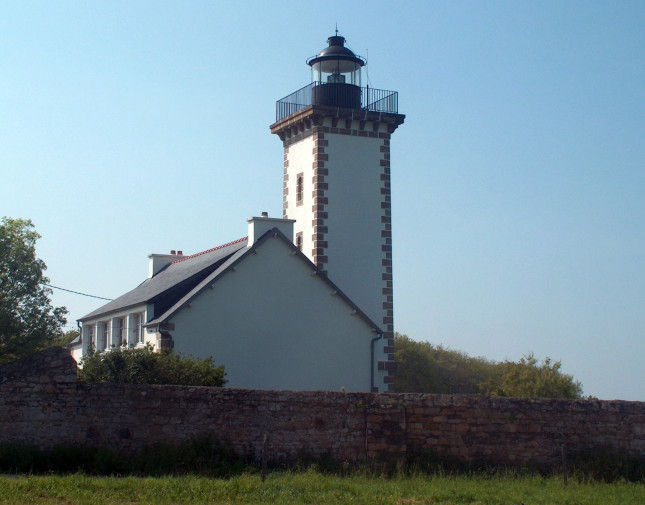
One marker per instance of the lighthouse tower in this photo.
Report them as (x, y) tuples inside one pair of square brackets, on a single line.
[(336, 136)]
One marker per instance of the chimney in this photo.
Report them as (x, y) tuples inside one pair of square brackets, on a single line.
[(159, 261), (258, 226)]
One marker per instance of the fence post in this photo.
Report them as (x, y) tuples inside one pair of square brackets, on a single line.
[(264, 458), (564, 464)]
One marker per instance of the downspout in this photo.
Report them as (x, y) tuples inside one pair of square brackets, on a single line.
[(80, 335), (379, 337)]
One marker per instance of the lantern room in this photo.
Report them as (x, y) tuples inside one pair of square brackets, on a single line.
[(336, 64), (336, 82), (336, 75)]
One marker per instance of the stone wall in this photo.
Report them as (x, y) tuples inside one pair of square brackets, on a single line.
[(41, 403)]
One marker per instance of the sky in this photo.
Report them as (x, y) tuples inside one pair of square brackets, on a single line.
[(518, 177)]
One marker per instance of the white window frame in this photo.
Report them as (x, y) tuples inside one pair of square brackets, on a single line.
[(89, 334), (118, 331), (104, 336), (137, 328)]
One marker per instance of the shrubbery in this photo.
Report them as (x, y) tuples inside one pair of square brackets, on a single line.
[(205, 456), (604, 463), (145, 366), (202, 456), (426, 368)]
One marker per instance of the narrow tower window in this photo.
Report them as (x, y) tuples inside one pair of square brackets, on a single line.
[(299, 182), (299, 240)]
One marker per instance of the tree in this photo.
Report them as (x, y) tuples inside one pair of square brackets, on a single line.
[(69, 336), (529, 378), (425, 368), (145, 366), (28, 322), (417, 371)]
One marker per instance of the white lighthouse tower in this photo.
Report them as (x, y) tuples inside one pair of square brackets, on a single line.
[(336, 137)]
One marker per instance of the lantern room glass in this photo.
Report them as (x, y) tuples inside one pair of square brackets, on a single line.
[(336, 71)]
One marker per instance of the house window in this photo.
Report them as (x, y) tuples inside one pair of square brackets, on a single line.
[(89, 334), (299, 240), (137, 327), (118, 333), (103, 336), (299, 188)]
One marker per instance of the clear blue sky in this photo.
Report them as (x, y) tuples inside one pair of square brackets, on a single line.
[(131, 127)]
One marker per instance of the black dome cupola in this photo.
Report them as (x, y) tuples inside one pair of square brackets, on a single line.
[(336, 64), (336, 75)]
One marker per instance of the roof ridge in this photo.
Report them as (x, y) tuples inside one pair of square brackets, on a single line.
[(210, 250)]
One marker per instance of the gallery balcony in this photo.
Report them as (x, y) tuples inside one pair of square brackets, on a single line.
[(342, 95)]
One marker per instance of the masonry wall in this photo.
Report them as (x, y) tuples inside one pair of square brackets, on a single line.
[(41, 403)]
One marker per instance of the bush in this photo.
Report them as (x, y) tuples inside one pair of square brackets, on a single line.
[(16, 458), (145, 366), (529, 378), (426, 368), (604, 463), (201, 456)]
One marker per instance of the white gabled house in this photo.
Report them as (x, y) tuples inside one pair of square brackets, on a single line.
[(258, 305), (264, 307)]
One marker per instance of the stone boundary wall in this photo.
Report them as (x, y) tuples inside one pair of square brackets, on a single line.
[(41, 403)]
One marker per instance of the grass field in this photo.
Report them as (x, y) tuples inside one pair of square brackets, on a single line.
[(286, 488)]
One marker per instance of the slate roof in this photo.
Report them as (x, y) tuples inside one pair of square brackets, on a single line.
[(230, 262), (172, 282), (184, 279)]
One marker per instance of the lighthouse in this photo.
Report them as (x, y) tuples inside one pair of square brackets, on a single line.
[(336, 135)]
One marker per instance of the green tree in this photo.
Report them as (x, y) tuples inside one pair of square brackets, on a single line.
[(68, 336), (425, 368), (529, 378), (417, 371), (145, 366), (28, 322)]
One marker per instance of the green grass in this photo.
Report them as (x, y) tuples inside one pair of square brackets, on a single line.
[(310, 487)]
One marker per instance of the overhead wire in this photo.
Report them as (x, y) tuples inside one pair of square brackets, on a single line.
[(78, 292)]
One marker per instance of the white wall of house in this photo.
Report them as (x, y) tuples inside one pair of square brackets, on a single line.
[(274, 325)]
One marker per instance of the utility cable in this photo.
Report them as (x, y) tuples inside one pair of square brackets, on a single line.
[(77, 293)]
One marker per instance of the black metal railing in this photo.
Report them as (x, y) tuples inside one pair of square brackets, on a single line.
[(344, 95)]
